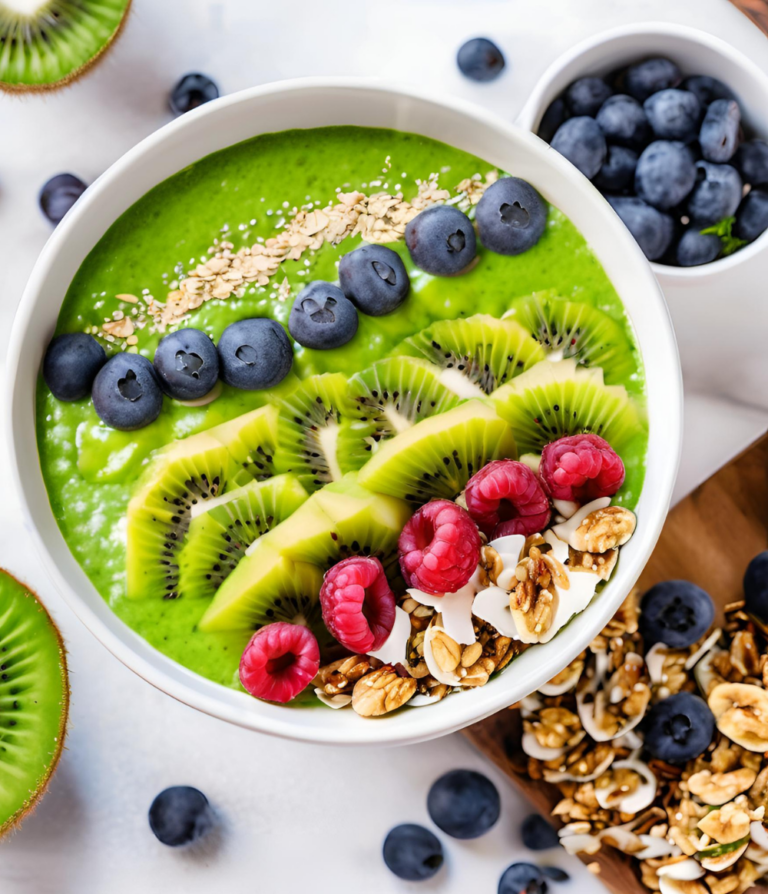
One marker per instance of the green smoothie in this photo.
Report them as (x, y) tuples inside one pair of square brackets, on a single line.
[(242, 194)]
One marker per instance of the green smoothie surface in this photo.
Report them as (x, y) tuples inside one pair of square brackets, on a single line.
[(240, 194)]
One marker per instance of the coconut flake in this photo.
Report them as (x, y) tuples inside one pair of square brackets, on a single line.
[(341, 700), (420, 700), (759, 834), (654, 660), (533, 748), (450, 678), (683, 871), (559, 547), (566, 508), (567, 529), (635, 801), (567, 776), (709, 643), (553, 689), (492, 606), (395, 648), (656, 847), (703, 672), (575, 599), (205, 399), (580, 844), (456, 609)]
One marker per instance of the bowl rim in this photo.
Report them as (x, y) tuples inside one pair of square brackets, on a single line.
[(186, 686), (534, 108)]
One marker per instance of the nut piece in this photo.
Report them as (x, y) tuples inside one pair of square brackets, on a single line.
[(719, 788), (339, 676), (478, 674), (381, 691), (446, 651), (601, 564), (741, 712), (604, 529), (470, 654), (726, 825)]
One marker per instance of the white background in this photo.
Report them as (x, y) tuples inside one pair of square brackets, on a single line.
[(293, 817)]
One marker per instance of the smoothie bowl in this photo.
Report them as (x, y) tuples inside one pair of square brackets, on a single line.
[(376, 414)]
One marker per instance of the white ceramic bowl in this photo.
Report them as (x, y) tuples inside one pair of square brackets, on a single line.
[(730, 309), (314, 103)]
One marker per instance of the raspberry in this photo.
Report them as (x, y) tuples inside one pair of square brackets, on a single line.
[(506, 497), (439, 548), (279, 661), (581, 468), (358, 605)]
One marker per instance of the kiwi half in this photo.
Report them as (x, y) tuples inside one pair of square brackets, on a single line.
[(437, 456), (56, 41), (34, 700)]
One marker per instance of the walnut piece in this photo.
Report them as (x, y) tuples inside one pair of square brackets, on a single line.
[(338, 676), (719, 788), (726, 825), (601, 564), (604, 529), (381, 691)]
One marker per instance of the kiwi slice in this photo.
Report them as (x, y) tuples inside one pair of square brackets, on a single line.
[(476, 354), (34, 700), (53, 42), (251, 440), (223, 528), (315, 437), (437, 456), (569, 329)]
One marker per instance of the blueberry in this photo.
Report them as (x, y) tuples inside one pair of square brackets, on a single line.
[(756, 586), (191, 91), (665, 174), (126, 394), (187, 364), (522, 878), (618, 171), (464, 804), (582, 142), (441, 240), (752, 216), (180, 815), (511, 216), (59, 194), (555, 873), (480, 59), (752, 161), (653, 230), (623, 121), (707, 89), (716, 195), (322, 317), (412, 852), (679, 728), (374, 278), (538, 834), (719, 134), (674, 114), (70, 365), (552, 118), (676, 613), (696, 248), (254, 354), (585, 96), (650, 76)]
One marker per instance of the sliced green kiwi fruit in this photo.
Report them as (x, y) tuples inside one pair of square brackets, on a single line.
[(53, 42), (569, 329), (34, 700), (251, 439), (477, 354), (315, 438), (223, 528), (437, 456)]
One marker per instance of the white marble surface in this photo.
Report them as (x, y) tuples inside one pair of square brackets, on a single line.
[(294, 817)]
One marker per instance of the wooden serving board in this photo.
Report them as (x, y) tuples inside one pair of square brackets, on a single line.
[(757, 10), (709, 538)]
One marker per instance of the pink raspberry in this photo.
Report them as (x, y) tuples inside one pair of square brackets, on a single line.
[(506, 497), (279, 661), (439, 548), (581, 468), (358, 605)]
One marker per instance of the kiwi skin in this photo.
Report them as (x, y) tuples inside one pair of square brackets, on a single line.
[(13, 822)]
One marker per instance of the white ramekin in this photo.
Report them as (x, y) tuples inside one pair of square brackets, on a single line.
[(315, 103)]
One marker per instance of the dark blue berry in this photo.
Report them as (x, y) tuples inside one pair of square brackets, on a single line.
[(538, 833), (412, 852), (716, 195), (707, 89), (696, 248), (322, 317), (752, 161), (511, 216), (180, 815), (187, 364), (719, 134), (191, 91), (464, 804), (480, 59), (59, 194), (555, 873), (126, 394), (665, 174), (623, 121), (552, 118), (585, 96), (522, 878), (70, 365), (674, 114), (752, 216), (374, 278), (441, 240), (254, 354), (756, 586), (676, 613), (582, 142), (650, 76), (653, 230), (618, 171), (679, 728)]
